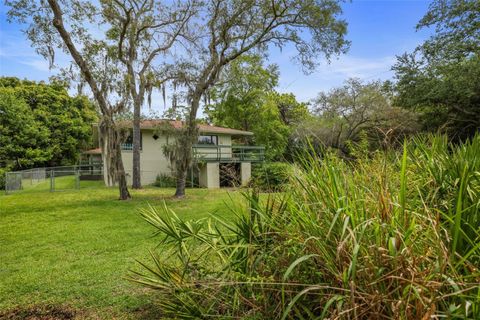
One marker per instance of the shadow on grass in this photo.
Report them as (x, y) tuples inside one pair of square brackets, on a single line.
[(101, 198), (147, 311), (43, 312)]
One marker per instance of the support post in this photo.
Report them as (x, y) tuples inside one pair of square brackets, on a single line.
[(6, 182), (210, 175), (245, 172), (191, 176), (52, 180), (77, 179)]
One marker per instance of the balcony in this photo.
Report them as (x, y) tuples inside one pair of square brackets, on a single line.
[(128, 146), (227, 153)]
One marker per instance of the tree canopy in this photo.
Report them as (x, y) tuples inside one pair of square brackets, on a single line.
[(245, 98), (457, 29), (441, 78), (343, 113), (42, 124), (226, 30)]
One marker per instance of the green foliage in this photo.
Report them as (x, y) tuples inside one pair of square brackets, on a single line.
[(387, 236), (441, 78), (457, 31), (2, 177), (43, 124), (343, 113), (270, 176), (245, 99), (452, 176), (23, 140), (165, 181), (447, 95)]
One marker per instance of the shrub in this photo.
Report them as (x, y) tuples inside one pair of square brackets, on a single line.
[(393, 236), (2, 178), (165, 181), (270, 177)]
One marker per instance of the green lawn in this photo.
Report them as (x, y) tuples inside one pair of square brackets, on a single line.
[(74, 248)]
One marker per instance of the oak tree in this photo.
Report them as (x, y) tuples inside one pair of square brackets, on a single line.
[(441, 78), (226, 30), (143, 30), (113, 45)]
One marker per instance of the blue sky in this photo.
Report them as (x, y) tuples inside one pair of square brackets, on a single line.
[(378, 29)]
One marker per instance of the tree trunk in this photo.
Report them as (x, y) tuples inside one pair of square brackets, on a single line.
[(181, 182), (112, 156), (107, 176), (136, 172), (111, 152), (122, 181), (187, 138), (106, 137)]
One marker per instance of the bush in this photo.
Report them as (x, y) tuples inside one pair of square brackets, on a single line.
[(2, 177), (270, 177), (165, 181), (393, 236)]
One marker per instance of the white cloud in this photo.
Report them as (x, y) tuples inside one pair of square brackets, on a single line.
[(38, 64), (16, 49), (327, 76), (358, 67)]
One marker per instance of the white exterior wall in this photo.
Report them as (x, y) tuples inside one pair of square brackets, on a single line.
[(152, 160), (225, 141)]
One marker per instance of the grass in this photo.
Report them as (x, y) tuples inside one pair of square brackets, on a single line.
[(393, 234), (74, 248), (64, 183)]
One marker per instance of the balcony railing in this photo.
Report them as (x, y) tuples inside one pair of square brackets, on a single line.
[(128, 146), (228, 153)]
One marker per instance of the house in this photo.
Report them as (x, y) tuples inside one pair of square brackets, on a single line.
[(218, 159)]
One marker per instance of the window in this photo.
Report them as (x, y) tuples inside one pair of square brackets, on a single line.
[(128, 144), (208, 140)]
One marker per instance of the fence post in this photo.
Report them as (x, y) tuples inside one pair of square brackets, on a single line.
[(77, 179), (6, 182), (52, 180), (191, 177)]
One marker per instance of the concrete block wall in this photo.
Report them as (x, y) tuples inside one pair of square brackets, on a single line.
[(210, 175), (245, 172)]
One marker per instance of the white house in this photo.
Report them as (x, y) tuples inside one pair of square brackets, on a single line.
[(213, 153)]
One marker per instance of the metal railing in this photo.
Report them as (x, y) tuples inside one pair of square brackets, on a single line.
[(127, 146), (53, 178), (228, 153)]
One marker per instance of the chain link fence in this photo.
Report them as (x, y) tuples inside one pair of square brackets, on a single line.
[(54, 178)]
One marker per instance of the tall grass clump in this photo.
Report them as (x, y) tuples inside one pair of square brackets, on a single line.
[(392, 235)]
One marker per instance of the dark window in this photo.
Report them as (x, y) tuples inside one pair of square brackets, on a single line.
[(208, 140), (128, 144)]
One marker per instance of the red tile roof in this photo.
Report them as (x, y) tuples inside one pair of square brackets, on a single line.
[(204, 128), (93, 151)]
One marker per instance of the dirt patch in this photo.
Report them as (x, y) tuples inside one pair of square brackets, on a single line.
[(47, 312)]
